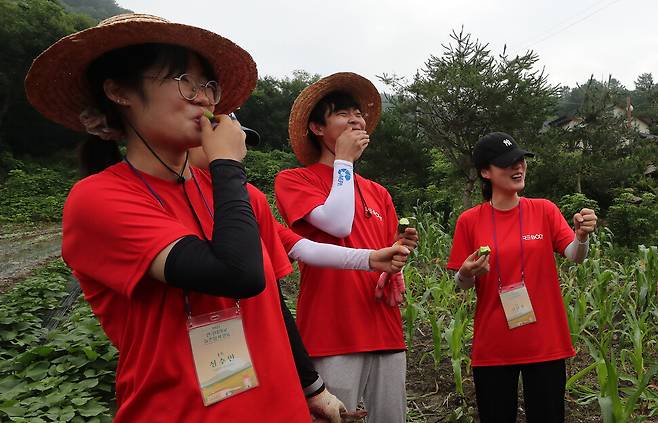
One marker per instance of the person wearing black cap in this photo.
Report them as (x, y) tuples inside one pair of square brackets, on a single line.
[(520, 323)]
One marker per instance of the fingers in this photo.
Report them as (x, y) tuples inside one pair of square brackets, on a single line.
[(400, 250), (585, 221), (206, 126), (473, 256), (475, 265)]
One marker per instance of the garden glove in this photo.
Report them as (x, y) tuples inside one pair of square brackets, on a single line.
[(390, 287)]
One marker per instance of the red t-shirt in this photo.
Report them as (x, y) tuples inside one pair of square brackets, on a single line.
[(113, 228), (336, 310), (544, 232)]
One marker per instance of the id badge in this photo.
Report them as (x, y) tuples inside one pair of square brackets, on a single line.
[(517, 305), (221, 356)]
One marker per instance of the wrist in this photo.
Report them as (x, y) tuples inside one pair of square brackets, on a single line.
[(343, 162), (465, 275), (315, 388), (343, 158)]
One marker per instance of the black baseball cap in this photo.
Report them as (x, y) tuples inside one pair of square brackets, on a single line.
[(498, 149)]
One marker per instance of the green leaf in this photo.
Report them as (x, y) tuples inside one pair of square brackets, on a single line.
[(80, 401), (91, 354), (43, 350), (38, 370), (11, 409), (91, 409), (87, 384)]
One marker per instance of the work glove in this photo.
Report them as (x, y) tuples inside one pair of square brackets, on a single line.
[(390, 288)]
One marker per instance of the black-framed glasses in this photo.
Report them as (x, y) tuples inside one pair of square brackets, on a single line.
[(189, 88)]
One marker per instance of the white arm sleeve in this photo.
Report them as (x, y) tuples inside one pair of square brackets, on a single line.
[(577, 251), (336, 215), (329, 255)]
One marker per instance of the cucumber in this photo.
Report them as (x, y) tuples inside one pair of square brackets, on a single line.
[(404, 223), (484, 250), (209, 115)]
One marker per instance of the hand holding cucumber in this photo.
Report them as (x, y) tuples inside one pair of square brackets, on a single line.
[(225, 141), (477, 263), (407, 234)]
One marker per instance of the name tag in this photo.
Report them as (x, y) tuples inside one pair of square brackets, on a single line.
[(517, 305), (221, 356)]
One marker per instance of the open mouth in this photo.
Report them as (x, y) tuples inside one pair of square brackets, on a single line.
[(517, 177)]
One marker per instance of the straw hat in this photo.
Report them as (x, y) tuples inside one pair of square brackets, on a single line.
[(57, 87), (363, 91)]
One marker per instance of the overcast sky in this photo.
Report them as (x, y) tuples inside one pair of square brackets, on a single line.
[(573, 39)]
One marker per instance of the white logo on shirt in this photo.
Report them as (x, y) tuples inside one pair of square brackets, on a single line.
[(375, 213), (532, 237), (508, 143)]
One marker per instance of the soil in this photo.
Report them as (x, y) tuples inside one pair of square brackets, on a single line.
[(432, 397), (24, 248)]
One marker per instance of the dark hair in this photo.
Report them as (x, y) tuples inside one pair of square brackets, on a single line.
[(487, 189), (335, 100), (485, 184), (126, 66)]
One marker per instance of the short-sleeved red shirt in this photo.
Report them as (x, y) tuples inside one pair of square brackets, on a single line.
[(336, 310), (544, 232), (113, 228)]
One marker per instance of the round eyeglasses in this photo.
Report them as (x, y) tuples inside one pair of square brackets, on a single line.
[(189, 88)]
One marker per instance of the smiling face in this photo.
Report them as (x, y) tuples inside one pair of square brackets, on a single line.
[(331, 116), (335, 123), (506, 180)]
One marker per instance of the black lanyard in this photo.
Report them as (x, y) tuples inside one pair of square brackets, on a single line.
[(493, 222), (181, 181)]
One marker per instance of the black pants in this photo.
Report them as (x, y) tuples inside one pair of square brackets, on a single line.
[(496, 391)]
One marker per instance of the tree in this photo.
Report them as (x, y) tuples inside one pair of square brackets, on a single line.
[(645, 99), (597, 154), (268, 108), (96, 9), (467, 92), (26, 29)]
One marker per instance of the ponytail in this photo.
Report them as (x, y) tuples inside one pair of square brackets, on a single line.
[(487, 189), (97, 154)]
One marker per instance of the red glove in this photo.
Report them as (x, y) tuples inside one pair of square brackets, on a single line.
[(391, 288)]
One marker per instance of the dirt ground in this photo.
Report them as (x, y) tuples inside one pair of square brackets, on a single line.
[(23, 248), (432, 397)]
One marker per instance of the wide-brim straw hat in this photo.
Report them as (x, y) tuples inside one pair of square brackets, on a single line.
[(363, 91), (56, 84)]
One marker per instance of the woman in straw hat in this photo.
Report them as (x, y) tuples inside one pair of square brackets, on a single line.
[(520, 324), (179, 264), (354, 337)]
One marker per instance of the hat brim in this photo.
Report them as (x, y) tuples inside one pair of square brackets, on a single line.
[(363, 91), (511, 157), (57, 87)]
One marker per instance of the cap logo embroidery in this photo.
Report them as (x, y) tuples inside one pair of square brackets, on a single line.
[(507, 143)]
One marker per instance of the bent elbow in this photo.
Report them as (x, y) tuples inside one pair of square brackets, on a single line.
[(341, 231), (253, 282)]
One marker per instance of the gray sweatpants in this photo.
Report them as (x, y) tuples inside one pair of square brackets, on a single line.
[(377, 378)]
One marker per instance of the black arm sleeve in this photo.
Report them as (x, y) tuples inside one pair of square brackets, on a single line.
[(231, 264), (305, 369)]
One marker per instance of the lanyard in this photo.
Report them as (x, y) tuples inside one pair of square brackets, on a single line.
[(493, 222), (188, 308)]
